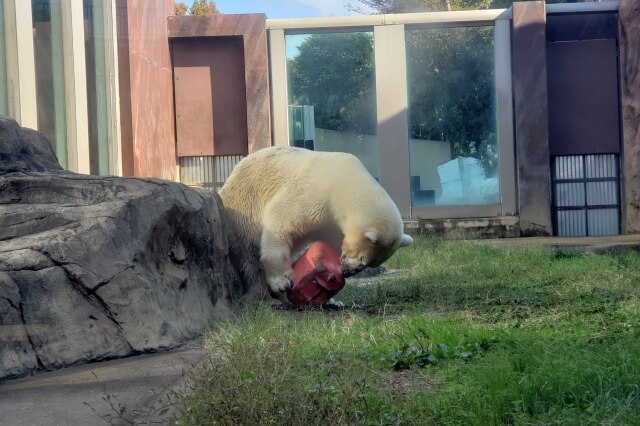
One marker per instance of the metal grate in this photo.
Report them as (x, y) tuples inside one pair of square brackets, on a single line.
[(586, 195), (207, 172)]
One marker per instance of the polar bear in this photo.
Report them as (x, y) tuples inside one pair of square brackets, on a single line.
[(281, 198)]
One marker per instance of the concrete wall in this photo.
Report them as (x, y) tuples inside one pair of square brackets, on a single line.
[(529, 59), (146, 89)]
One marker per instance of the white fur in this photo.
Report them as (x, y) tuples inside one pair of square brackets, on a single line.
[(280, 198)]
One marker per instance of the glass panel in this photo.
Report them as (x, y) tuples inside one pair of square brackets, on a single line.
[(332, 99), (603, 222), (97, 86), (4, 100), (570, 194), (452, 120), (49, 60)]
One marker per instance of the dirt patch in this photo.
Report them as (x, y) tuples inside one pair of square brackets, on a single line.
[(407, 383)]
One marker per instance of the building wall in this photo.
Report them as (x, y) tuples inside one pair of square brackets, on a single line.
[(146, 89), (630, 101)]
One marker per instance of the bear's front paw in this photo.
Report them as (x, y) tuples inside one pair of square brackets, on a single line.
[(278, 286), (333, 304)]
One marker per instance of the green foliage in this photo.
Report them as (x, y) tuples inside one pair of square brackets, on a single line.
[(471, 334), (203, 7), (335, 73), (450, 78), (421, 350), (451, 90), (407, 6), (180, 9)]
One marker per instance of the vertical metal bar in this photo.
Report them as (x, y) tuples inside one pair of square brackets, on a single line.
[(99, 40), (4, 101), (504, 115), (58, 79), (113, 86), (75, 73), (21, 74), (279, 92), (392, 114), (586, 212)]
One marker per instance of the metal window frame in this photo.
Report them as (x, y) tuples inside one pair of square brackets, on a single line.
[(21, 77), (585, 180), (20, 60), (392, 97)]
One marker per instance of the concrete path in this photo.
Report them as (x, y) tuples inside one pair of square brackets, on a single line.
[(91, 394), (616, 243)]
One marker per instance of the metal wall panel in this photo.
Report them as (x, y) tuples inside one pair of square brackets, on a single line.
[(571, 223), (601, 166), (569, 194), (208, 172), (583, 97), (602, 193), (603, 222), (569, 167), (210, 96), (586, 195)]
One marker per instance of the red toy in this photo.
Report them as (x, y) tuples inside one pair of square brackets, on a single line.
[(317, 275)]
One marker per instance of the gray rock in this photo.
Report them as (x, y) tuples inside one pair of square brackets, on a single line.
[(93, 267)]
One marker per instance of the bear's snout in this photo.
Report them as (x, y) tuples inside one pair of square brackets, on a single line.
[(350, 268)]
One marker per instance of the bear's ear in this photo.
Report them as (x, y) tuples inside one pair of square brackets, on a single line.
[(406, 240), (371, 235)]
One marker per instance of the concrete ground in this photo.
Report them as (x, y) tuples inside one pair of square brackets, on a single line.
[(91, 394), (616, 243)]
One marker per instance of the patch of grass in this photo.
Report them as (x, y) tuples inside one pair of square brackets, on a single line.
[(471, 334)]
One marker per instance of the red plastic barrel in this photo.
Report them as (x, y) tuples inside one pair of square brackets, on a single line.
[(317, 275)]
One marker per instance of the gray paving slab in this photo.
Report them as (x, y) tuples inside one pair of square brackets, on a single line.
[(90, 394), (615, 243)]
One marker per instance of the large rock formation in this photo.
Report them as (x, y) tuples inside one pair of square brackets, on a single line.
[(100, 267)]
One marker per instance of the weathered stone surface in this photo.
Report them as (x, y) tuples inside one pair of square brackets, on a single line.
[(101, 267), (24, 149), (629, 42)]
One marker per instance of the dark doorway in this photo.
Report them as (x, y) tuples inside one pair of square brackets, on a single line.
[(584, 123)]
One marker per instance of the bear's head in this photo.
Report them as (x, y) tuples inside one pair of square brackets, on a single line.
[(369, 249)]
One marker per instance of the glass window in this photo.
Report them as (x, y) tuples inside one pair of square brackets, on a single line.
[(332, 97), (49, 61), (452, 121), (97, 86), (4, 99)]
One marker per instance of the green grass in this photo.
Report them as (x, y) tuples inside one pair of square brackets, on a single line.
[(471, 334)]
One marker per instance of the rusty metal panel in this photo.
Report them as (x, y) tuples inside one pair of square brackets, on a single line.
[(584, 115), (210, 96)]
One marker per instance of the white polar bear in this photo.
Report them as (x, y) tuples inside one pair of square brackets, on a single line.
[(280, 198)]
